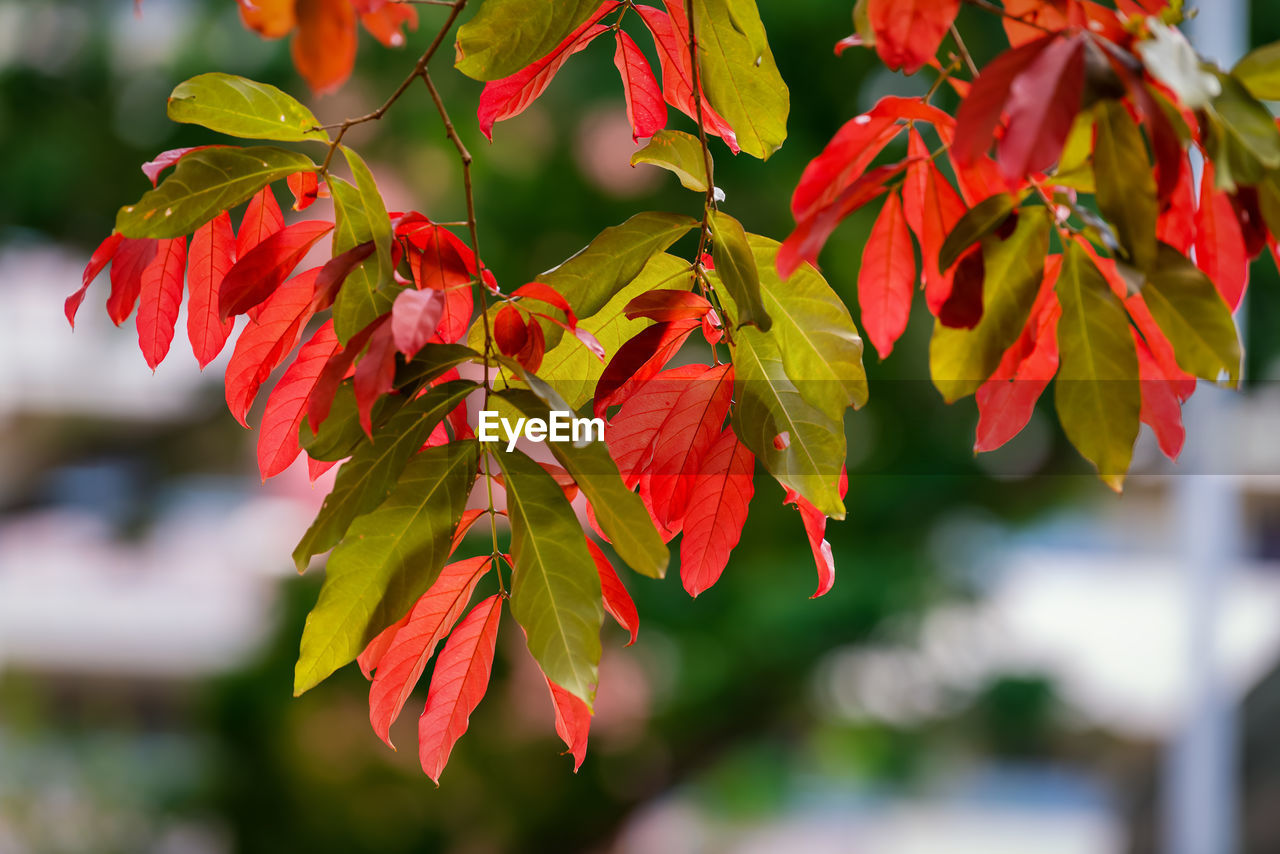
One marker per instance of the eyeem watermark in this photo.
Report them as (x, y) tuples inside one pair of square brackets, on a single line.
[(561, 427)]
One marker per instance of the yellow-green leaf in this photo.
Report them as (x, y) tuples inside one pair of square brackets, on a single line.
[(678, 153), (1096, 393), (1126, 186), (506, 36), (619, 511), (739, 75), (977, 223), (387, 561), (1259, 71), (1242, 139), (204, 184), (238, 106), (1192, 314), (961, 360), (736, 267), (555, 588), (362, 297)]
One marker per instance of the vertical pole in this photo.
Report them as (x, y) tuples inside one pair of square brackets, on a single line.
[(1201, 800)]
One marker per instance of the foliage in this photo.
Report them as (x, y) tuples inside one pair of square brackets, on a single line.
[(1060, 236)]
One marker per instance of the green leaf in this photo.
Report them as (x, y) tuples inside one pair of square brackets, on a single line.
[(815, 334), (571, 368), (238, 106), (366, 479), (678, 153), (1096, 393), (977, 223), (1075, 166), (505, 36), (798, 444), (387, 561), (619, 511), (555, 588), (739, 75), (609, 263), (1125, 183), (1242, 138), (736, 266), (362, 297), (1259, 72), (204, 184), (1192, 314), (1269, 202), (961, 360)]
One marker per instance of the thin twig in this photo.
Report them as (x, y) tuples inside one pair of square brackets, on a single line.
[(964, 51), (988, 6)]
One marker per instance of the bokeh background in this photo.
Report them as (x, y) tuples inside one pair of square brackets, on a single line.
[(1012, 659)]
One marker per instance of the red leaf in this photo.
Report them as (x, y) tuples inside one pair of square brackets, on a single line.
[(690, 429), (269, 18), (887, 279), (305, 187), (161, 299), (442, 261), (375, 374), (932, 207), (1008, 399), (429, 622), (458, 684), (638, 361), (335, 272), (980, 112), (377, 648), (127, 265), (718, 503), (1177, 223), (456, 317), (666, 305), (631, 432), (212, 257), (97, 261), (1161, 408), (963, 306), (267, 340), (257, 274), (671, 36), (545, 293), (414, 318), (385, 21), (262, 218), (1043, 102), (617, 601), (315, 468), (165, 159), (510, 331), (287, 404), (1220, 246), (321, 400), (324, 44), (1038, 15), (573, 722), (511, 96), (815, 528), (909, 32), (469, 518), (646, 110)]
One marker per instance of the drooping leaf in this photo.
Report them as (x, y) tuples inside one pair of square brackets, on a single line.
[(961, 360), (797, 443), (979, 114), (618, 510), (691, 427), (678, 153), (371, 475), (646, 110), (1097, 393), (131, 259), (241, 107), (306, 188), (511, 96), (160, 299), (1190, 311), (414, 318), (155, 167), (573, 722), (617, 601), (638, 361), (1242, 139), (278, 444), (213, 253), (718, 502), (738, 72), (324, 43), (458, 683), (427, 624), (1161, 408), (909, 32), (202, 185), (932, 208), (668, 304), (97, 262), (887, 278), (815, 529), (555, 588), (388, 560), (736, 266), (820, 346), (1126, 187), (258, 274), (1220, 248), (508, 35), (1043, 102)]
